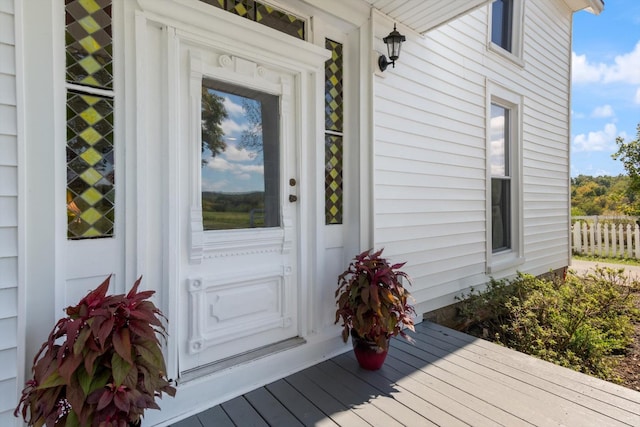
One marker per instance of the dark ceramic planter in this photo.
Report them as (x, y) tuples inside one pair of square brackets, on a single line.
[(369, 355)]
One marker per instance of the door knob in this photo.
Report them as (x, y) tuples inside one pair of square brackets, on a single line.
[(293, 198)]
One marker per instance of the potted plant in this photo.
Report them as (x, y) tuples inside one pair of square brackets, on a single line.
[(102, 365), (373, 305)]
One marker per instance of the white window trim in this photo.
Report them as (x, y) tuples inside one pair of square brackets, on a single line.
[(507, 260), (517, 35)]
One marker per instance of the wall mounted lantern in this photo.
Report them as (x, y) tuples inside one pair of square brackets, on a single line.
[(394, 43)]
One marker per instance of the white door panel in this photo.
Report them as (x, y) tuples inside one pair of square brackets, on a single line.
[(240, 289)]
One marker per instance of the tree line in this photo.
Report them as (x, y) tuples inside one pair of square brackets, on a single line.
[(611, 195)]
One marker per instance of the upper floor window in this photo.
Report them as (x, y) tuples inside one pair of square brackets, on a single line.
[(506, 27), (502, 23)]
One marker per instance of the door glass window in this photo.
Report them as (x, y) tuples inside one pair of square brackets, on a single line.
[(240, 157)]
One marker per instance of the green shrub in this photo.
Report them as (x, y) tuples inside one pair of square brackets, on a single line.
[(575, 323)]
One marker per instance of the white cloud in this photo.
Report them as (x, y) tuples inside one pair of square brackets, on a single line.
[(602, 140), (584, 72), (251, 168), (577, 115), (637, 99), (214, 185), (235, 154), (626, 68), (230, 127), (219, 164), (623, 69), (231, 107), (603, 112)]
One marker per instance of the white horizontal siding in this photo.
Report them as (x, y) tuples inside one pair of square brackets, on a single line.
[(430, 144), (8, 216), (545, 150)]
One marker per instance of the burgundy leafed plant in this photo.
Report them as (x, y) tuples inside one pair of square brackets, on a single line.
[(372, 300), (102, 365)]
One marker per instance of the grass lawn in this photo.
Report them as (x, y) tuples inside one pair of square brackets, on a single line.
[(610, 260)]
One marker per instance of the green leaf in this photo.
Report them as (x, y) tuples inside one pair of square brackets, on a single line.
[(100, 380), (72, 420), (53, 380), (120, 369), (84, 379), (150, 353), (78, 346)]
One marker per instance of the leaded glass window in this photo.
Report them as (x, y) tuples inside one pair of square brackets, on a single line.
[(88, 43), (334, 133), (263, 14), (90, 144)]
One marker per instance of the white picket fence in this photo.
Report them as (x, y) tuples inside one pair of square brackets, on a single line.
[(609, 240)]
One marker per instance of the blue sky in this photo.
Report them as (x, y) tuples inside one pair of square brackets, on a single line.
[(606, 86)]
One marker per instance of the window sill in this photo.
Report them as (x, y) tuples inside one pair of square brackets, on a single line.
[(506, 262), (505, 54)]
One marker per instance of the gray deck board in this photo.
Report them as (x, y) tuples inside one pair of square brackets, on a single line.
[(242, 413), (573, 399), (215, 417), (299, 405), (445, 378)]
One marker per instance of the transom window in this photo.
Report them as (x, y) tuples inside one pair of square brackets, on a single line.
[(263, 14)]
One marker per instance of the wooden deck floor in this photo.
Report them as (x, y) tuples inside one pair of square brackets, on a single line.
[(445, 379)]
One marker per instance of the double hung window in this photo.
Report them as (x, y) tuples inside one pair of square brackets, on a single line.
[(504, 170)]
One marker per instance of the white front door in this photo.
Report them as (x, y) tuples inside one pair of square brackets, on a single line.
[(240, 179)]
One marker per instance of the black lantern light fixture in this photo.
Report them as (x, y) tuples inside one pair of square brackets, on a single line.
[(394, 43)]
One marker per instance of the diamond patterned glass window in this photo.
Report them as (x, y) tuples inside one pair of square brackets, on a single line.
[(90, 145), (334, 118), (90, 175), (264, 14), (88, 43), (333, 105)]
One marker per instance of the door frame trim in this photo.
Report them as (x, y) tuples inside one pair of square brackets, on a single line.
[(167, 24)]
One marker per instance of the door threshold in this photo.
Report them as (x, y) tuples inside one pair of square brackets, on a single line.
[(239, 359)]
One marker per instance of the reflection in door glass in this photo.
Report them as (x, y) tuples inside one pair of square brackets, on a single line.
[(240, 158)]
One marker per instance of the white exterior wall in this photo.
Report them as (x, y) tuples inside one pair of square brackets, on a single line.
[(429, 175), (430, 142), (8, 216)]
